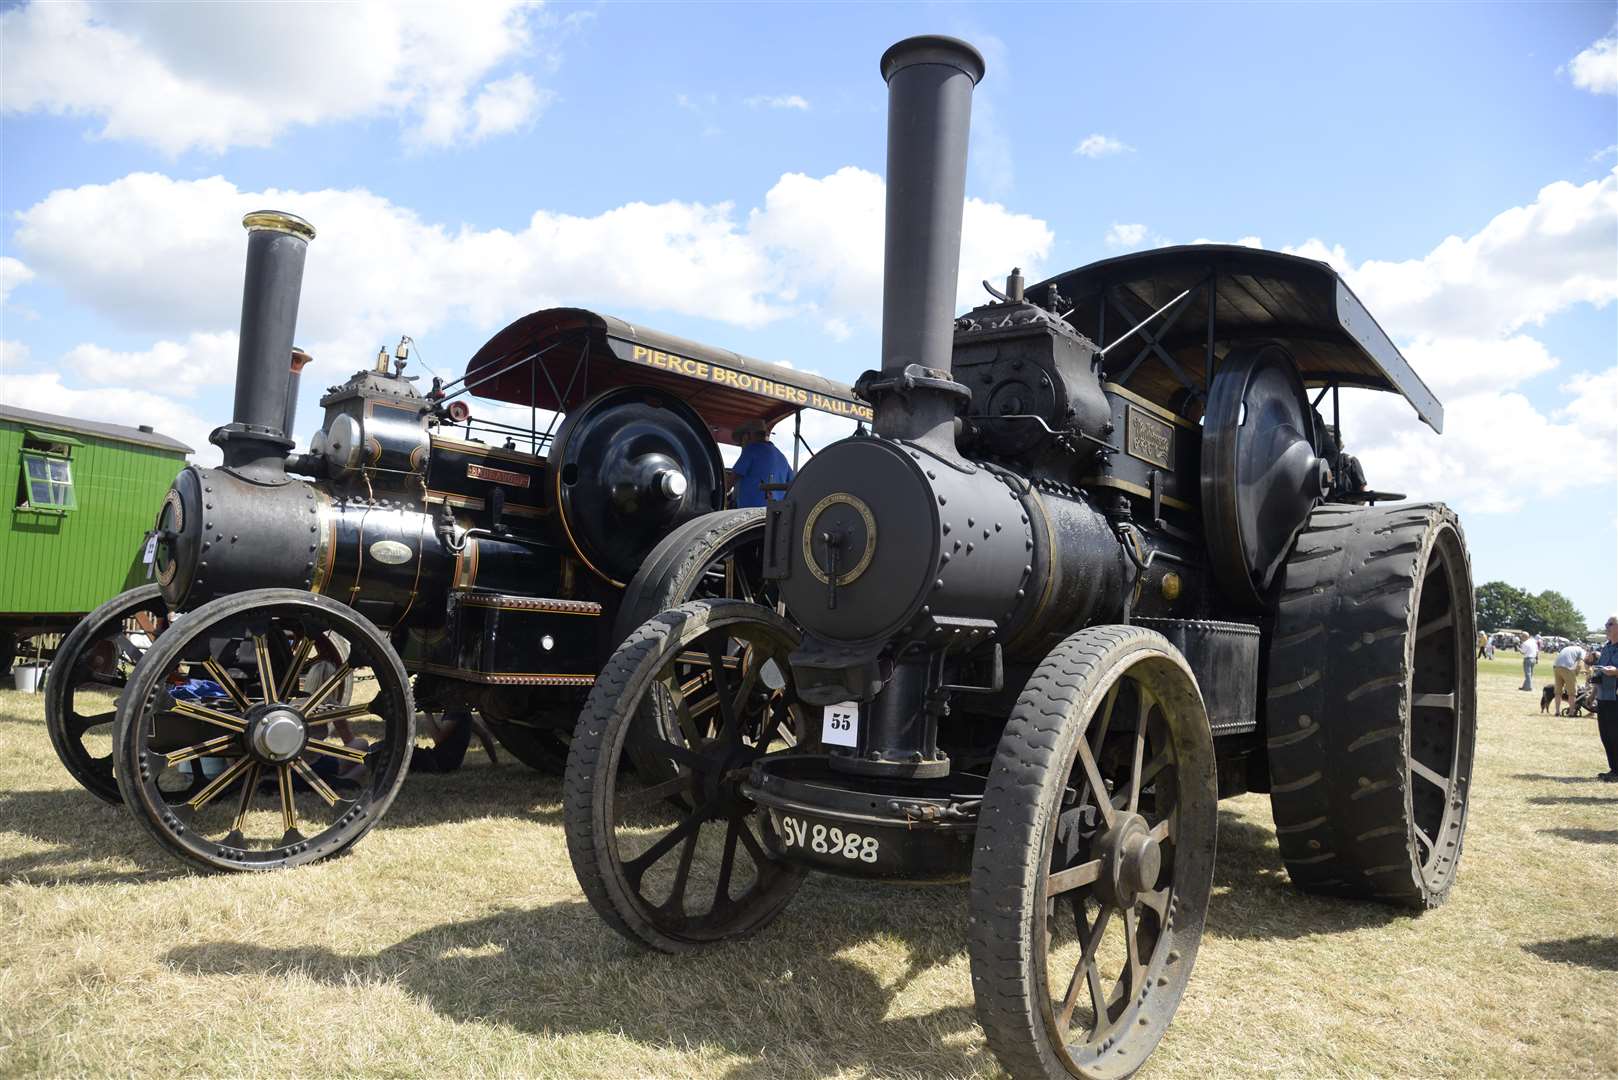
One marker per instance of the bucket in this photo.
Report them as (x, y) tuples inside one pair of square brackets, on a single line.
[(27, 676)]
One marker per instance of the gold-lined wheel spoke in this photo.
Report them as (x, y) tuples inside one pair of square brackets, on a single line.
[(289, 808), (337, 750), (313, 779), (254, 771), (343, 712), (202, 749), (226, 683), (209, 716), (326, 689), (266, 667), (218, 784), (300, 657)]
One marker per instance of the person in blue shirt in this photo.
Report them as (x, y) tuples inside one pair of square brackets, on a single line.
[(1606, 670), (760, 463)]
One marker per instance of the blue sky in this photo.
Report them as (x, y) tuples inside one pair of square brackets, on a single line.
[(715, 171)]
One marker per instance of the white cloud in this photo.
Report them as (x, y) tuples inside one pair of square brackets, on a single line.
[(164, 257), (13, 355), (1100, 146), (214, 76), (1125, 236), (1596, 68), (128, 405), (1593, 403), (203, 359), (12, 274), (777, 101)]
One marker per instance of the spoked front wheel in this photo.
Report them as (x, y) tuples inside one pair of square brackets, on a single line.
[(680, 861), (88, 677), (252, 757), (1093, 858)]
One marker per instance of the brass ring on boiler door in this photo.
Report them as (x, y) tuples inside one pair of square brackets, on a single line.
[(848, 577)]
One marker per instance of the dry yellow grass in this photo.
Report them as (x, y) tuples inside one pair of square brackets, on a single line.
[(454, 941)]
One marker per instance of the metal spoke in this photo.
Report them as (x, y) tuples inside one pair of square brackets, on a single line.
[(201, 749), (727, 707), (1158, 901), (727, 864), (750, 842), (1163, 830), (1074, 876), (248, 788), (1103, 802), (634, 800), (78, 723), (327, 688), (1424, 838), (682, 875), (337, 750), (1136, 967), (1432, 776), (289, 809), (636, 868), (1140, 749), (306, 648), (344, 712), (208, 716), (750, 674), (313, 779), (1443, 622), (1092, 934), (218, 784), (266, 669), (684, 755), (1433, 701), (1099, 997), (226, 683)]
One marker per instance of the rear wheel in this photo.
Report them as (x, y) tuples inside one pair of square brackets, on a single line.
[(1093, 857), (1371, 713), (87, 680)]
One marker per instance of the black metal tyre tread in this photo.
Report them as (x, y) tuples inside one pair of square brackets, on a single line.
[(668, 575), (1339, 689), (161, 654), (1007, 845), (598, 743), (57, 689)]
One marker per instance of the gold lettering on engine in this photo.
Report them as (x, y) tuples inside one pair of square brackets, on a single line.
[(1149, 439), (497, 476)]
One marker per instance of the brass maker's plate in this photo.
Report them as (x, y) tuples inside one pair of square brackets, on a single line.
[(1149, 438), (852, 574)]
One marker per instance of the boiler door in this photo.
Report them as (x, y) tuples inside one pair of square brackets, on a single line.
[(630, 465)]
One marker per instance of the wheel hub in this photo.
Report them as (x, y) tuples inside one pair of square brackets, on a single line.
[(1131, 861), (278, 734)]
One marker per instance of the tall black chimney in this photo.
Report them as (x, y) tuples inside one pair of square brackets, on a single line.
[(255, 442), (930, 81)]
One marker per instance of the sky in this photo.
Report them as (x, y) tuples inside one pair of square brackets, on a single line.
[(715, 171)]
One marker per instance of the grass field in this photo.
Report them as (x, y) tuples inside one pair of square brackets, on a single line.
[(454, 941)]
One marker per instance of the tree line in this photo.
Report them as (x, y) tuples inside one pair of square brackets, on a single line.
[(1502, 606)]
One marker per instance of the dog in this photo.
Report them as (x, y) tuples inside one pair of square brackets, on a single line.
[(1584, 701)]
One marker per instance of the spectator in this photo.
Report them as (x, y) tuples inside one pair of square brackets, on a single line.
[(1483, 644), (1565, 670), (1490, 647), (760, 463), (1530, 657), (1606, 670)]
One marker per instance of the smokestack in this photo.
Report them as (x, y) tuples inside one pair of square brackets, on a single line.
[(256, 439), (930, 81)]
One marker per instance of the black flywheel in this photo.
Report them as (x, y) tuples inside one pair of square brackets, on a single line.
[(1261, 474), (630, 465)]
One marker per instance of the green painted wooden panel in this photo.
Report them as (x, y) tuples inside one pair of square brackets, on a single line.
[(67, 563)]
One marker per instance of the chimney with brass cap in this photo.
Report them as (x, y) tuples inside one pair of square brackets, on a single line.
[(255, 442)]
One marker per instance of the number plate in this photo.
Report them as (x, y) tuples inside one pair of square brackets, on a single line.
[(840, 724), (829, 841), (151, 550)]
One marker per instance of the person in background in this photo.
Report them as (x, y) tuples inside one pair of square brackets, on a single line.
[(1490, 647), (760, 463), (1530, 657), (1605, 669), (1483, 644), (1565, 670)]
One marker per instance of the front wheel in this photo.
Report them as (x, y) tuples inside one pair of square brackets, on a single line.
[(681, 861), (251, 757), (1093, 858)]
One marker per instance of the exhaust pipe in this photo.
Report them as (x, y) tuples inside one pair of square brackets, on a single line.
[(255, 442), (930, 81), (300, 360)]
